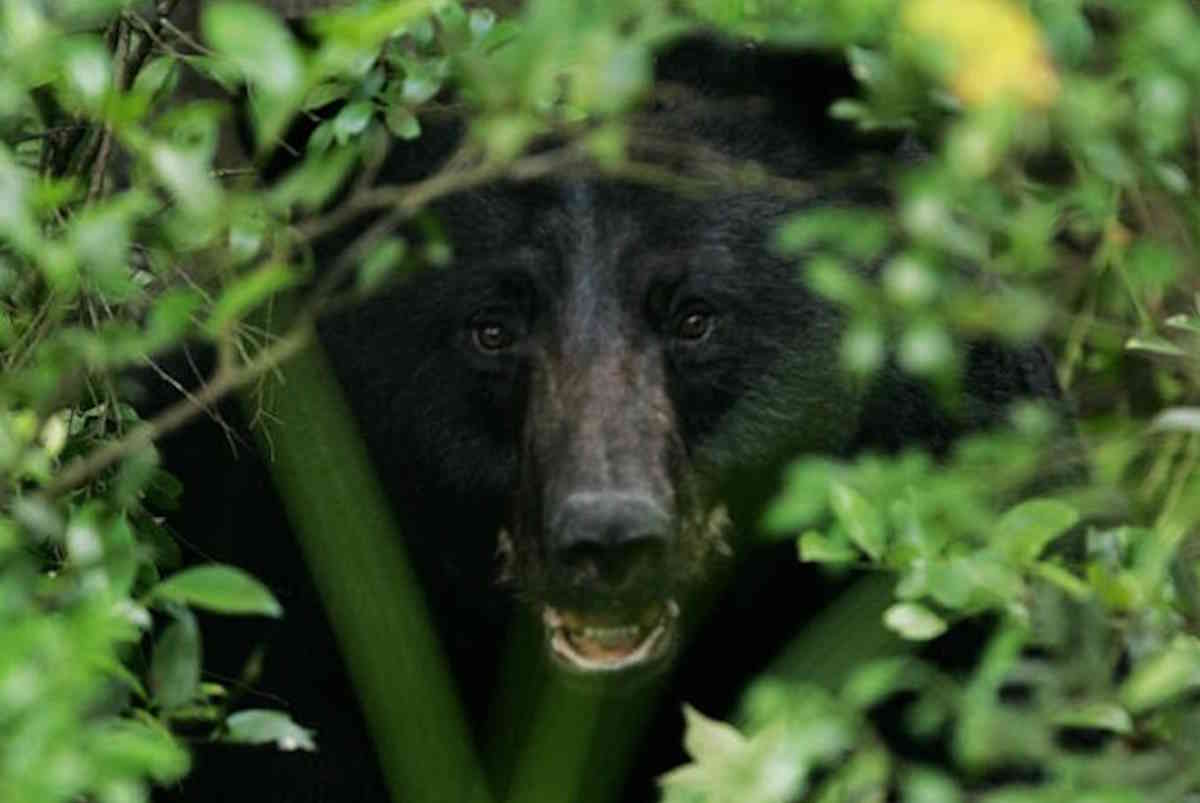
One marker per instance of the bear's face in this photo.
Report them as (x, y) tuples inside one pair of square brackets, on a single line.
[(618, 354)]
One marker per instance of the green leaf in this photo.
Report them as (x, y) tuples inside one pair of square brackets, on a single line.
[(859, 518), (1067, 29), (1097, 715), (1025, 530), (120, 555), (1108, 159), (481, 21), (137, 747), (247, 293), (928, 786), (163, 491), (860, 234), (39, 517), (366, 26), (709, 739), (223, 589), (352, 120), (247, 233), (914, 621), (951, 582), (814, 547), (381, 264), (175, 664), (1118, 589), (318, 177), (506, 135), (871, 684), (325, 93), (909, 281), (1184, 323), (863, 348), (849, 110), (186, 175), (828, 277), (402, 122), (87, 67), (1064, 579), (1162, 677), (263, 49), (805, 497), (320, 139), (926, 349), (157, 77), (135, 472), (171, 316), (993, 580), (259, 726), (1173, 177), (1178, 419), (117, 671), (1155, 345), (422, 80)]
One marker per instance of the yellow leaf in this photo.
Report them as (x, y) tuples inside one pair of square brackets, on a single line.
[(996, 49)]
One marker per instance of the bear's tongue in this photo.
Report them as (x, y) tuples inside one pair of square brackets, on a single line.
[(607, 642)]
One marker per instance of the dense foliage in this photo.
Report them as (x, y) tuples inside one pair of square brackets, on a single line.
[(1055, 200)]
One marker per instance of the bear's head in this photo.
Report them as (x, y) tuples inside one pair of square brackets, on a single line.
[(601, 362)]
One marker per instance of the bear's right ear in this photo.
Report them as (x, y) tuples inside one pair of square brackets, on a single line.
[(802, 83), (295, 9), (787, 92)]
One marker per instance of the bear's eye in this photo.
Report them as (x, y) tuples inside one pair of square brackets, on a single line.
[(491, 337), (695, 324)]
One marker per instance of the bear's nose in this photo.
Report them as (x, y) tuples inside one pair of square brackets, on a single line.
[(610, 540)]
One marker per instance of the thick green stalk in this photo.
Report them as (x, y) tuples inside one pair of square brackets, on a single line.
[(357, 558)]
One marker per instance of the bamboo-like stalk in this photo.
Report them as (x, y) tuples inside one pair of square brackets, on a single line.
[(847, 633), (358, 561)]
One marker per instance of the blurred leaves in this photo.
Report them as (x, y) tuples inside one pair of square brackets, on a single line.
[(1044, 192), (262, 49), (1054, 202)]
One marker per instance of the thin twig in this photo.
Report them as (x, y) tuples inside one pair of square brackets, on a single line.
[(124, 36), (84, 468), (185, 37), (212, 412), (162, 10), (46, 134), (409, 197), (100, 166), (720, 172), (230, 172)]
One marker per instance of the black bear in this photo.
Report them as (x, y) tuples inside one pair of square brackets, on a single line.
[(601, 388)]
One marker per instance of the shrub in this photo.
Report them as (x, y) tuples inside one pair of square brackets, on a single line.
[(1059, 145)]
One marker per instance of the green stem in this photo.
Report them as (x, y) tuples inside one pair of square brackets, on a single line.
[(369, 590)]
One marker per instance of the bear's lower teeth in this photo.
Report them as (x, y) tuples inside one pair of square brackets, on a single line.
[(599, 646), (608, 637), (608, 633)]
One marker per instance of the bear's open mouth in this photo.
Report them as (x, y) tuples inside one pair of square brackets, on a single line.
[(588, 642)]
